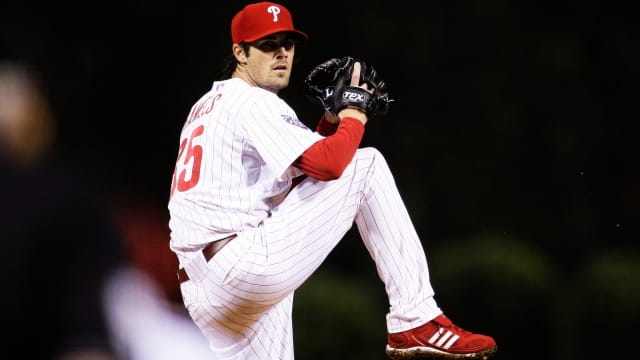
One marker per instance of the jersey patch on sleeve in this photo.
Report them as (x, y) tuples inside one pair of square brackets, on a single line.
[(294, 121)]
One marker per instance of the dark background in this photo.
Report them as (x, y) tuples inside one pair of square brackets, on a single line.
[(512, 139)]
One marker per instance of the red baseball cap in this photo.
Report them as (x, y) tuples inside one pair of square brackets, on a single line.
[(261, 19)]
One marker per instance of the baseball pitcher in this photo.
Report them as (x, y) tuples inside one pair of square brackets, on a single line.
[(258, 201)]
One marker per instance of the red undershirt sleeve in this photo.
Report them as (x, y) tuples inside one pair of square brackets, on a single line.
[(327, 158), (326, 128)]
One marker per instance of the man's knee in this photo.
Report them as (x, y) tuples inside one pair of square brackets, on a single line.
[(370, 154)]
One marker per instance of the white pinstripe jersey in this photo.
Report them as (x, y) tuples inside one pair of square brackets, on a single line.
[(236, 148)]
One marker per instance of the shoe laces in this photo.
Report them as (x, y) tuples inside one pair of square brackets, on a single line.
[(444, 322)]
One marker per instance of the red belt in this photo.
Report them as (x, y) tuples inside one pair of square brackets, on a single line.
[(208, 251)]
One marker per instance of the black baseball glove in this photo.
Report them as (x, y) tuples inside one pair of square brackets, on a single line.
[(328, 84)]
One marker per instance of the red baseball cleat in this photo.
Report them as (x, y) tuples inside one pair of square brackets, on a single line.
[(440, 339)]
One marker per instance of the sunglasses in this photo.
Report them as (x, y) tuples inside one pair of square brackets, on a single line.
[(269, 45)]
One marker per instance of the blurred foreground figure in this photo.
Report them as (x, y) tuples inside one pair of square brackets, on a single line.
[(142, 300), (59, 244)]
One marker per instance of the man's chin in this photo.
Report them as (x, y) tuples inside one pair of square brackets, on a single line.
[(279, 85)]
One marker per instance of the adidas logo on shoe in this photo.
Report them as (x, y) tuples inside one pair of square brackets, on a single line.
[(440, 339)]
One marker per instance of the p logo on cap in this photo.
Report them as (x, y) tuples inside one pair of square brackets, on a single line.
[(275, 11), (261, 19)]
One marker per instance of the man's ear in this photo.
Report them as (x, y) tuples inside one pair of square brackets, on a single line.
[(240, 54)]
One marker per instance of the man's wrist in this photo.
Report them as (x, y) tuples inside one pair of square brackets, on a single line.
[(355, 113)]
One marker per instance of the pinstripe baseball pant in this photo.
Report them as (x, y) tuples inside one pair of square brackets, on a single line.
[(242, 299)]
